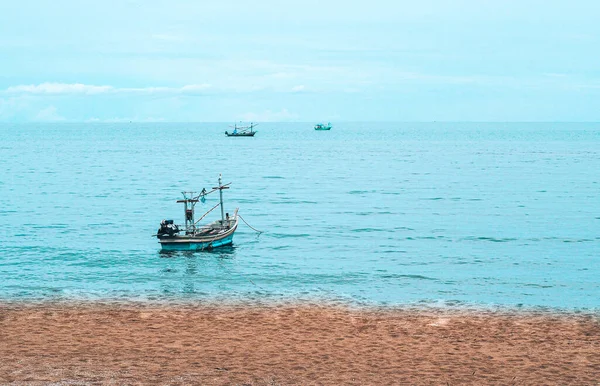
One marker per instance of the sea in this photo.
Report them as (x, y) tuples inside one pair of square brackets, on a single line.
[(378, 214)]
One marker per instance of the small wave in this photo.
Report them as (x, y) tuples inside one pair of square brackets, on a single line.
[(404, 276), (577, 240), (491, 239), (533, 285), (294, 202), (289, 235), (361, 191), (248, 200), (358, 230), (281, 248)]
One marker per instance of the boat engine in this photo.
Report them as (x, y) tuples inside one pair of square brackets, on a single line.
[(167, 228)]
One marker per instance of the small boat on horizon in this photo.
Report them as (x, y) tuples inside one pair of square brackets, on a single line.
[(242, 131), (195, 237), (322, 126)]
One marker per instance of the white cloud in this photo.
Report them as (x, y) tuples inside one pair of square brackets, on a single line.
[(298, 88), (86, 89), (58, 88)]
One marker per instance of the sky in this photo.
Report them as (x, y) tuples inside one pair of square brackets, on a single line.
[(299, 60)]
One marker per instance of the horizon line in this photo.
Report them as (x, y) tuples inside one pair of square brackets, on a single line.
[(277, 122)]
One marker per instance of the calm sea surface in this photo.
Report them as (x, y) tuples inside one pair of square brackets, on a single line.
[(383, 214)]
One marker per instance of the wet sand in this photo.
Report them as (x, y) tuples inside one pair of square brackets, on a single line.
[(209, 345)]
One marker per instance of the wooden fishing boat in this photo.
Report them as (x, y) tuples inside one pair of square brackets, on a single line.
[(322, 126), (193, 237), (242, 131)]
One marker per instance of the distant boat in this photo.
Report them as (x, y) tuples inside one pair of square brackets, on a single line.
[(322, 126), (215, 234), (242, 131)]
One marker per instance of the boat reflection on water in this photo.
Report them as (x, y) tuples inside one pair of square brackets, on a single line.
[(194, 274), (224, 252)]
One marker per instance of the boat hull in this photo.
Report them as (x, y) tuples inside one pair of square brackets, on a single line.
[(198, 242), (241, 135), (322, 127), (196, 245)]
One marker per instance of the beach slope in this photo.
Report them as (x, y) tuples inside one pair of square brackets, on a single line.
[(305, 344)]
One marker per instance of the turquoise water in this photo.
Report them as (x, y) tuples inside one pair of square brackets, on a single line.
[(383, 214)]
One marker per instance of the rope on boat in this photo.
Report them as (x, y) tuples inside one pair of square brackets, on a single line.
[(204, 215), (251, 227)]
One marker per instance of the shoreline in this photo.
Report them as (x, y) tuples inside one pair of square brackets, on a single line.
[(92, 342), (357, 306)]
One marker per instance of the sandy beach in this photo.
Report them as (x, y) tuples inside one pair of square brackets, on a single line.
[(305, 344)]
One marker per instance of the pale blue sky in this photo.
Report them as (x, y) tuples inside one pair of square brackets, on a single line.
[(299, 60)]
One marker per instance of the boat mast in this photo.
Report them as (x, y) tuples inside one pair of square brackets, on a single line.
[(221, 187), (221, 201)]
